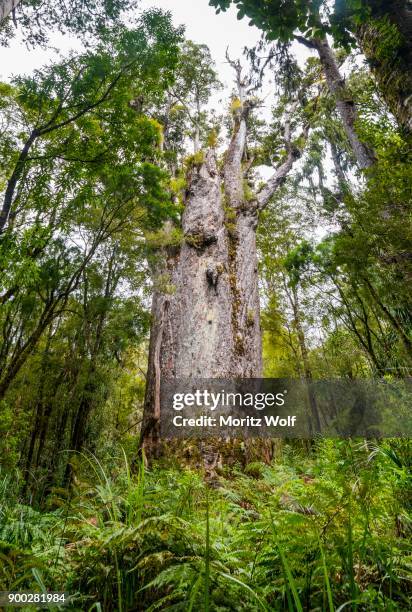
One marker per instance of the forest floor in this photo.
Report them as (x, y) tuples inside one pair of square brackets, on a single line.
[(326, 528)]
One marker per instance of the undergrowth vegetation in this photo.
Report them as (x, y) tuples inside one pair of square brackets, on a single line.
[(327, 529)]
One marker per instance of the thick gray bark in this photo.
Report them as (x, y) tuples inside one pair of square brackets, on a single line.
[(246, 304), (242, 224), (207, 324), (7, 7), (201, 337), (191, 332)]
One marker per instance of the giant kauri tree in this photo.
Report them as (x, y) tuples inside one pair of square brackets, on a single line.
[(206, 312)]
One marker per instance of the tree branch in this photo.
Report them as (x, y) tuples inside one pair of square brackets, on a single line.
[(305, 41), (293, 153)]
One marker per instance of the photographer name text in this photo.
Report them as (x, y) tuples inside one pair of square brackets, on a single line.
[(230, 421)]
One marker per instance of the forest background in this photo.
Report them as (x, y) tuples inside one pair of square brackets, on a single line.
[(108, 153)]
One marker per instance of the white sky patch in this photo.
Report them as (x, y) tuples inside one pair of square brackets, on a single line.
[(216, 31), (18, 59), (219, 32), (202, 26)]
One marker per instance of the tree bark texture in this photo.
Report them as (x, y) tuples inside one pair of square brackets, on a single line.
[(194, 308), (241, 223)]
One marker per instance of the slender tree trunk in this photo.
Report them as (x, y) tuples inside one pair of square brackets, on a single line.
[(16, 363), (13, 180), (58, 445), (53, 306), (87, 401), (402, 333), (149, 435), (344, 103), (297, 320), (307, 370), (39, 409), (340, 175), (196, 143), (45, 421)]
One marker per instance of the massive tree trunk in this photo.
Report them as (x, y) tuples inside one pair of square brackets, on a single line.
[(205, 310), (389, 53), (196, 298)]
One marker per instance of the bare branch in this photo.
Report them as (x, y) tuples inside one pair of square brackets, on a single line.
[(243, 83), (293, 153)]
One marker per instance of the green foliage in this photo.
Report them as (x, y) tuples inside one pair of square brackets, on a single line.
[(93, 170), (313, 19), (9, 437), (195, 161), (183, 113), (84, 184), (277, 19), (358, 270), (314, 532)]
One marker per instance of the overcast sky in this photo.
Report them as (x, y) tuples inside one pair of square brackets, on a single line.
[(202, 26), (216, 31)]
